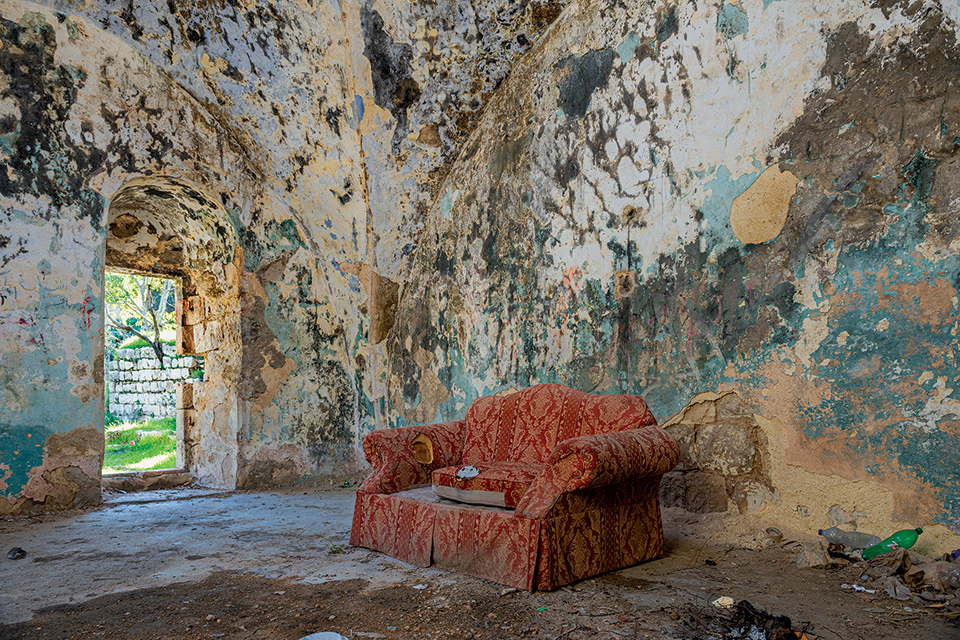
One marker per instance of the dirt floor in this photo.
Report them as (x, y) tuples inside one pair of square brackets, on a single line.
[(328, 586)]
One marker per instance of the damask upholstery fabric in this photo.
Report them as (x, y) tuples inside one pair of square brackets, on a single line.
[(591, 508), (511, 479), (526, 426), (395, 468)]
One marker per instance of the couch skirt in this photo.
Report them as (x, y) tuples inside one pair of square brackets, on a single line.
[(587, 533)]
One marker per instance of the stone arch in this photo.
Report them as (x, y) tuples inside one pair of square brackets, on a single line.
[(164, 225)]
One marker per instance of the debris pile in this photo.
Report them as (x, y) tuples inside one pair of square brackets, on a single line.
[(743, 621), (909, 576)]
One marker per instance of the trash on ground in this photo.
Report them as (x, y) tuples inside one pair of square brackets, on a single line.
[(851, 539), (903, 539), (420, 587), (724, 602), (743, 621), (325, 635), (16, 553), (755, 620), (857, 588), (908, 576)]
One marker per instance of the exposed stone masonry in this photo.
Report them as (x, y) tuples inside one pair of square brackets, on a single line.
[(138, 386)]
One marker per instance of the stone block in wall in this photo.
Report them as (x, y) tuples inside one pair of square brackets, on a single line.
[(731, 406), (193, 310), (185, 340), (187, 437), (726, 447), (184, 395), (685, 434), (696, 491), (719, 439), (207, 336)]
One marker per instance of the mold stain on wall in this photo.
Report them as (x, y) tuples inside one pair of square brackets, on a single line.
[(802, 273), (422, 203)]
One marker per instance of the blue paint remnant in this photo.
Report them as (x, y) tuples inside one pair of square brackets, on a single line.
[(851, 197), (328, 222), (21, 453), (732, 21), (585, 74), (628, 48), (716, 207), (358, 109), (886, 343), (526, 198), (668, 25), (407, 249), (446, 204), (767, 3), (8, 141)]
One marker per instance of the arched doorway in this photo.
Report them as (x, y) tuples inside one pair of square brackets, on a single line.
[(165, 226)]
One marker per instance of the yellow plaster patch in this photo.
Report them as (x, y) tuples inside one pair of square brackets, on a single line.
[(883, 325), (759, 213)]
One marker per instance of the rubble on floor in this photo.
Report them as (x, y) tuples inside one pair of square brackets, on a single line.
[(276, 566)]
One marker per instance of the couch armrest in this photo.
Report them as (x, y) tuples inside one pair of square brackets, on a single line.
[(395, 468), (598, 461)]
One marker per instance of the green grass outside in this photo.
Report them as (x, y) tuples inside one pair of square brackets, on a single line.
[(125, 451), (168, 336)]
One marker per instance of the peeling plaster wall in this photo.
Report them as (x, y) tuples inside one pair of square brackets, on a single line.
[(428, 202), (92, 106), (676, 198)]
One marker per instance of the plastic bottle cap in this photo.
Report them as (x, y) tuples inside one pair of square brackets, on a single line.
[(919, 530), (819, 532)]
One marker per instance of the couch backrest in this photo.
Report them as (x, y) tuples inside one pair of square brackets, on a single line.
[(526, 426)]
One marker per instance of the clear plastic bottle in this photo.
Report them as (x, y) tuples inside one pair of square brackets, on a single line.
[(949, 575), (903, 539), (852, 539)]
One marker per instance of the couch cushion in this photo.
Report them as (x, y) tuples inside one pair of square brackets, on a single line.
[(526, 426), (498, 484)]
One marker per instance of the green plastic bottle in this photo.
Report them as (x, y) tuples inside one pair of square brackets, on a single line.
[(904, 539)]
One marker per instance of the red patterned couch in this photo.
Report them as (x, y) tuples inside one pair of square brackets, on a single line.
[(579, 476)]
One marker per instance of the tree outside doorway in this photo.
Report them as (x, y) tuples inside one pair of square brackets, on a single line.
[(143, 370)]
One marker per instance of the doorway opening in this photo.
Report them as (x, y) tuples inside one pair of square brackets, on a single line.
[(144, 373), (163, 227)]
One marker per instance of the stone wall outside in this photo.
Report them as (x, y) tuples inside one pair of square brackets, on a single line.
[(137, 386)]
